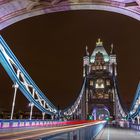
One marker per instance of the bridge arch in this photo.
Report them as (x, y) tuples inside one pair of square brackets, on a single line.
[(17, 10), (100, 112), (23, 13)]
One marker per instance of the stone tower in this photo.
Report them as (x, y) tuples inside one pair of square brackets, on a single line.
[(99, 70)]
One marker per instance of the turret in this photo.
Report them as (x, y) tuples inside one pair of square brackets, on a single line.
[(99, 91), (113, 62), (86, 62)]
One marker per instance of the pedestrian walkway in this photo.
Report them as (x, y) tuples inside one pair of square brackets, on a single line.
[(113, 133)]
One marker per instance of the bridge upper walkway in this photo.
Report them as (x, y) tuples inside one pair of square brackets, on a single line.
[(16, 10)]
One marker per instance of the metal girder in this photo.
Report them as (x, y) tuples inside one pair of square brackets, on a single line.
[(135, 107), (12, 11), (19, 76)]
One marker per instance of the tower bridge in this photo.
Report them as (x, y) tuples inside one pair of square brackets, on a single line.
[(99, 97), (100, 87)]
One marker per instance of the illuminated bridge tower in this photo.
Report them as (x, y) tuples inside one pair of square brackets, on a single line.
[(99, 70)]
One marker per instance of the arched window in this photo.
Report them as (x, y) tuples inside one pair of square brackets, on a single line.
[(100, 95), (97, 67), (99, 83), (106, 96), (104, 67), (93, 67), (91, 82), (101, 67)]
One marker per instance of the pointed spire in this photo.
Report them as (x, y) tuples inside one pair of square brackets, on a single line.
[(99, 42), (87, 53), (112, 49)]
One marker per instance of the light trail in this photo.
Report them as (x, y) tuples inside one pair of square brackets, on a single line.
[(60, 130), (44, 131)]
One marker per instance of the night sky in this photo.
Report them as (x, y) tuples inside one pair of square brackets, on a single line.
[(51, 49)]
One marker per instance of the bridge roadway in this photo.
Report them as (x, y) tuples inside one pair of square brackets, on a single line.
[(116, 133), (33, 133)]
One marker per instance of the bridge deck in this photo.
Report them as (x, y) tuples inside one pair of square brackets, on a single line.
[(40, 132), (73, 132), (113, 133)]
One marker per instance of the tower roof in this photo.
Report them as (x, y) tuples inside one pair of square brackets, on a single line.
[(99, 48)]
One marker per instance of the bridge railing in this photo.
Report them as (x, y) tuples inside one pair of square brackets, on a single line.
[(135, 107), (23, 81), (128, 125), (72, 109), (134, 126), (39, 123), (28, 123)]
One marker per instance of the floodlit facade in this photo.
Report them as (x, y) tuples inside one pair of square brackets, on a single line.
[(100, 70)]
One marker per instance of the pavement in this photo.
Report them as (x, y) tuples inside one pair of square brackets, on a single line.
[(115, 133), (38, 133)]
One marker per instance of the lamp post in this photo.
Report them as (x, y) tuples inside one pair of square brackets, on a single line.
[(31, 110), (14, 99)]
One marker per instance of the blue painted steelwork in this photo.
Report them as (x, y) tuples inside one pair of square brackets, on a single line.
[(122, 109), (135, 107), (19, 76)]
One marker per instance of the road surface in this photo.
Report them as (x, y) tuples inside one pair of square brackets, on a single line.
[(37, 133), (113, 133)]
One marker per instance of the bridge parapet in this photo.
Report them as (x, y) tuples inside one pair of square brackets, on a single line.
[(135, 126), (28, 123), (40, 123)]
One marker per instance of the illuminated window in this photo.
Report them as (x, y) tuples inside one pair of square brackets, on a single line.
[(99, 83), (100, 95), (97, 67), (104, 67), (91, 83), (106, 96), (93, 67), (99, 86)]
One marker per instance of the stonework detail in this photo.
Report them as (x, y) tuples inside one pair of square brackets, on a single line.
[(12, 11), (100, 70)]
